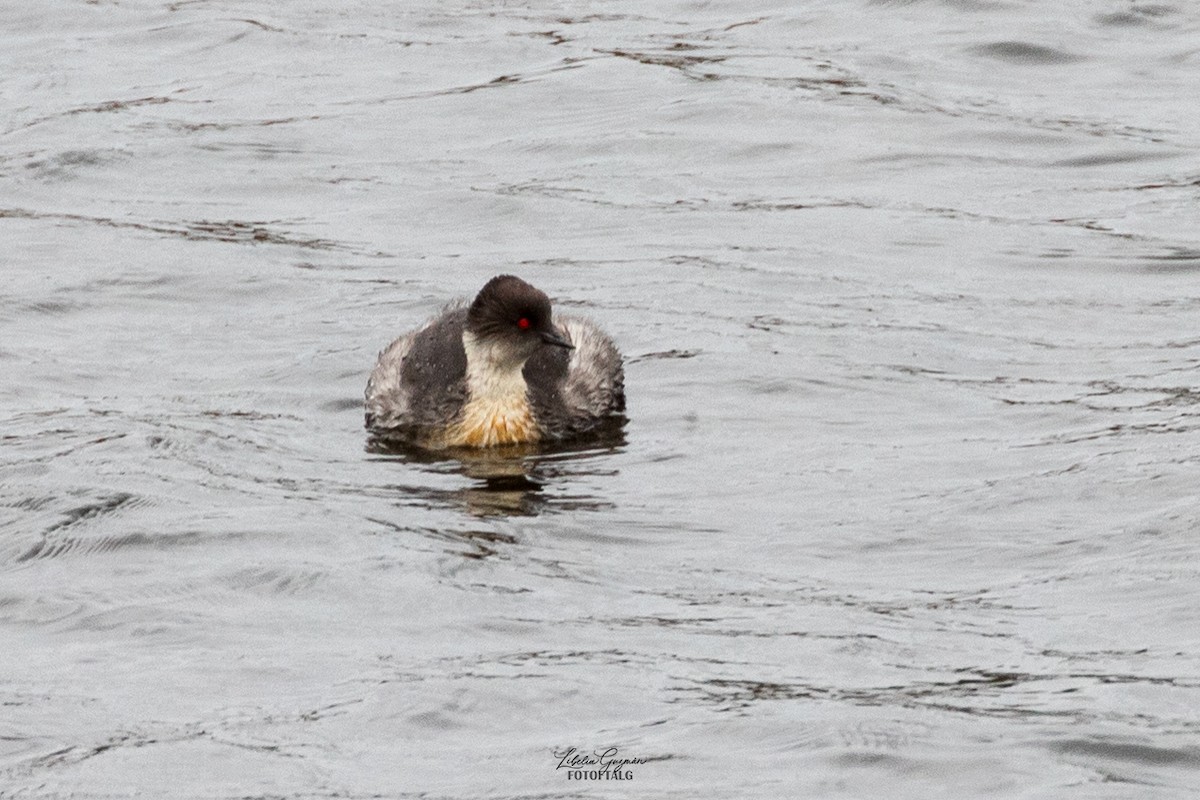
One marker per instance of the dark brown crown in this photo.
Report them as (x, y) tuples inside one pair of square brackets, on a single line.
[(502, 303)]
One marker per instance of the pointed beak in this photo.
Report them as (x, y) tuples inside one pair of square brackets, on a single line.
[(554, 338)]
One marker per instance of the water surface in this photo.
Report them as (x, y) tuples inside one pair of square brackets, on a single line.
[(906, 500)]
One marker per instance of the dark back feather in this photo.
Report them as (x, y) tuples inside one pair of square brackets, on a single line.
[(545, 373), (435, 370)]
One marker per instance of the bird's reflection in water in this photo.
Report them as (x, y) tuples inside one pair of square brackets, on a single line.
[(508, 481), (504, 482)]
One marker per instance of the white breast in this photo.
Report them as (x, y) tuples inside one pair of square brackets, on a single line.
[(497, 410)]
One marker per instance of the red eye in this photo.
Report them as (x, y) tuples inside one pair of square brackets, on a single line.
[(523, 323)]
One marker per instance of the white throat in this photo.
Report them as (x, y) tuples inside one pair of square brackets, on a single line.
[(494, 373)]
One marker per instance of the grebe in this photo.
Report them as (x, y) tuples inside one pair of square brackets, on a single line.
[(500, 371)]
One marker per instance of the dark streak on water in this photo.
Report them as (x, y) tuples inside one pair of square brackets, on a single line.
[(905, 505)]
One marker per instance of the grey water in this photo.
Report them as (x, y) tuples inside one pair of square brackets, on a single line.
[(906, 504)]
